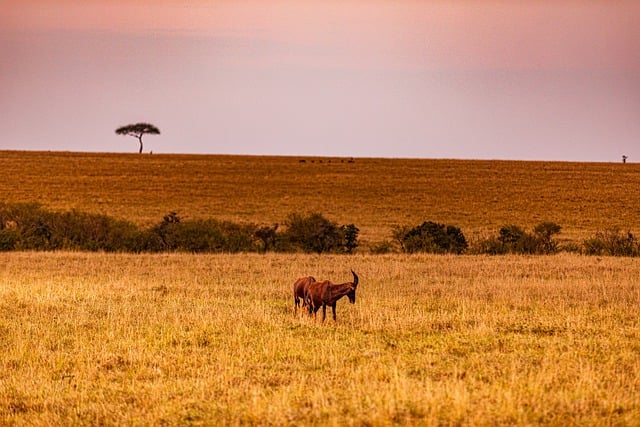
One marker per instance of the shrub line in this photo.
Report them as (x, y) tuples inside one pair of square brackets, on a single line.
[(28, 226)]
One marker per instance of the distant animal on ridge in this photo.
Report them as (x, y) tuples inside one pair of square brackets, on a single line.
[(327, 293), (299, 288)]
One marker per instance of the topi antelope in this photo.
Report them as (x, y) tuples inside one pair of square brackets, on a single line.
[(326, 293)]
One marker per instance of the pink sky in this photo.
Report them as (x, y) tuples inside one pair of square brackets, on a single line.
[(557, 80)]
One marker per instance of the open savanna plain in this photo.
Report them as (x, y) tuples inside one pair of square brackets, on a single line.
[(120, 339), (183, 339)]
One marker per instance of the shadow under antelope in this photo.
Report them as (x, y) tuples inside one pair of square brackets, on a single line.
[(327, 293)]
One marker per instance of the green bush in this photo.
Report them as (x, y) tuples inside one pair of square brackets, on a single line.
[(30, 227), (8, 239), (431, 237), (34, 228), (81, 231), (350, 239), (268, 237), (197, 236), (517, 241), (512, 239), (612, 242), (314, 233), (544, 233)]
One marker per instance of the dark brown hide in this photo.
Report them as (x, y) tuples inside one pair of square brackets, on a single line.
[(299, 288)]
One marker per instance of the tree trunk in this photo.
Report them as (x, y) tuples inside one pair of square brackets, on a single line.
[(140, 139)]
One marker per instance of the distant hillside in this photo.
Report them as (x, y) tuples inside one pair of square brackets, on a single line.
[(375, 194)]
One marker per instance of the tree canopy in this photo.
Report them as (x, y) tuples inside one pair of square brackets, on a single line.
[(138, 130)]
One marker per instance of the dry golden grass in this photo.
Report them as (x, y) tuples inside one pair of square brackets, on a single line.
[(180, 339), (375, 194), (89, 339)]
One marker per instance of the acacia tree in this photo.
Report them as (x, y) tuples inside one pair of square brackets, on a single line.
[(138, 130)]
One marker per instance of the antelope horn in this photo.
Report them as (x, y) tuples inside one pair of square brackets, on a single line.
[(355, 278)]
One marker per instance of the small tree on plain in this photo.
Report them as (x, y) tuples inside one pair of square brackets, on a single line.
[(138, 130)]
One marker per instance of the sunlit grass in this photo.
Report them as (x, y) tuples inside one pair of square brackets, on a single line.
[(182, 339)]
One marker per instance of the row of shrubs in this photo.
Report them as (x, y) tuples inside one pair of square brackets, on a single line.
[(30, 227), (511, 239)]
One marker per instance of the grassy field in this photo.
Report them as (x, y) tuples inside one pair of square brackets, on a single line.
[(99, 339), (179, 339), (375, 194)]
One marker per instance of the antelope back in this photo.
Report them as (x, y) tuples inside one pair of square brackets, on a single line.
[(301, 284)]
